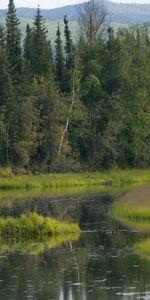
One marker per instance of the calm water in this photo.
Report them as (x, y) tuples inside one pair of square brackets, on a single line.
[(101, 265)]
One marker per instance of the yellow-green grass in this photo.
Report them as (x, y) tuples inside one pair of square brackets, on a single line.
[(32, 225), (5, 173), (131, 212), (35, 246), (133, 209), (115, 177), (143, 248)]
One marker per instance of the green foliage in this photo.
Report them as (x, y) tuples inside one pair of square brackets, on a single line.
[(106, 125), (2, 37), (13, 42), (59, 60), (68, 45), (114, 89), (39, 56), (115, 177), (8, 112), (28, 136), (6, 173), (69, 57), (34, 226)]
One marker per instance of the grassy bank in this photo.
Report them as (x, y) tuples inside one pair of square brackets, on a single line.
[(132, 213), (114, 177), (133, 209), (34, 226)]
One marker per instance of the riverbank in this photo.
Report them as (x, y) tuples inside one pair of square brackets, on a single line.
[(133, 209), (107, 178)]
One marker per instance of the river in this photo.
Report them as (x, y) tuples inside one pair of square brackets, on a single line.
[(101, 265)]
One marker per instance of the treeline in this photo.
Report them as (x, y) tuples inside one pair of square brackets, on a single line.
[(83, 106)]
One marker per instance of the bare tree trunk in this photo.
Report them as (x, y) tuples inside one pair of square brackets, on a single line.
[(68, 118)]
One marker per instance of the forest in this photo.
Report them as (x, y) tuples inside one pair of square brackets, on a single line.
[(81, 105)]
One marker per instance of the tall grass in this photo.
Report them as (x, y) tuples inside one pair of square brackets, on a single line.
[(131, 216), (133, 209), (115, 177), (34, 226), (131, 212), (143, 248), (6, 173)]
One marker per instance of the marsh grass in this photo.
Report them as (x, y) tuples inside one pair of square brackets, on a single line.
[(143, 248), (133, 209), (131, 212), (115, 177), (6, 173), (34, 226)]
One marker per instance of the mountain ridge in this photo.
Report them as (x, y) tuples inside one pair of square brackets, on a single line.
[(123, 13)]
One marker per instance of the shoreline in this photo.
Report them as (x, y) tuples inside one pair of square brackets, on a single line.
[(68, 180)]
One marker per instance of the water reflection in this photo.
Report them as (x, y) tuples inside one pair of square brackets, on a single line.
[(103, 264)]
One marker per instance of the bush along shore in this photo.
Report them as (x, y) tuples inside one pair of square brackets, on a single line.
[(34, 226), (114, 177)]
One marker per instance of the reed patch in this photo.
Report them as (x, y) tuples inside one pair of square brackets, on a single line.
[(107, 178), (34, 226)]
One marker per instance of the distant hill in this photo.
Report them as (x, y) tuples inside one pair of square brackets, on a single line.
[(117, 13)]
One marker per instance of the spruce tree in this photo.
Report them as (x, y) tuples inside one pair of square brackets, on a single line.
[(68, 45), (59, 68), (2, 37), (5, 81), (69, 59), (27, 43), (13, 42), (40, 57), (27, 69), (8, 110)]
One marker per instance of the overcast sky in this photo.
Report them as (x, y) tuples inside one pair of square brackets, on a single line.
[(55, 3), (43, 3)]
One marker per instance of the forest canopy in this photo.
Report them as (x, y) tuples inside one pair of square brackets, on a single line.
[(80, 106)]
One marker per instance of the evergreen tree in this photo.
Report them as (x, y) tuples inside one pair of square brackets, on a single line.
[(112, 64), (2, 37), (40, 58), (13, 39), (8, 110), (27, 54), (28, 43), (69, 59), (68, 45), (59, 60), (27, 141)]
